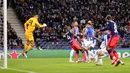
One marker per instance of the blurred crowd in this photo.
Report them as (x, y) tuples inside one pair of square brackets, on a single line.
[(1, 30), (1, 24), (59, 14), (13, 40)]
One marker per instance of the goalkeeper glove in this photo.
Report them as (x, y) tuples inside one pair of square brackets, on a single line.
[(44, 24)]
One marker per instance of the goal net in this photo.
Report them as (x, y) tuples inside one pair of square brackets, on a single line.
[(3, 34)]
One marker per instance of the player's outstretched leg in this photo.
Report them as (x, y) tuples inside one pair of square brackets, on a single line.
[(77, 56), (99, 62), (86, 51), (113, 58), (99, 54), (71, 55), (89, 56), (117, 58), (24, 51), (84, 56), (27, 47)]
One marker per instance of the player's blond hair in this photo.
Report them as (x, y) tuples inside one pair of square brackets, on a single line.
[(89, 22), (75, 23), (109, 17)]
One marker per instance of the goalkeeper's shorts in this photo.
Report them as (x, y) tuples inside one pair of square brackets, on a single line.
[(29, 37)]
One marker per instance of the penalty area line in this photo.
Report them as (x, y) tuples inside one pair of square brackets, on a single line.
[(19, 70)]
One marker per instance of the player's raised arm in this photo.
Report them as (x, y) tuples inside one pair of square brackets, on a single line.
[(37, 23), (40, 25), (104, 28)]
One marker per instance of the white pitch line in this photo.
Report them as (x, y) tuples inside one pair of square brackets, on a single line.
[(20, 70)]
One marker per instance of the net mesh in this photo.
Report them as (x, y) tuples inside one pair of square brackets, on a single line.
[(1, 33)]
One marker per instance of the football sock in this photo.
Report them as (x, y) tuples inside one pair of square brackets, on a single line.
[(115, 54), (111, 53), (77, 56), (84, 56), (71, 54), (89, 56), (100, 61), (96, 57)]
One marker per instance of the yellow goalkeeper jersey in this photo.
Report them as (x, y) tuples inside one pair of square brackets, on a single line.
[(31, 24)]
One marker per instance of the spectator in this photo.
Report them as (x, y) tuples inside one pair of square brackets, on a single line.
[(19, 43), (58, 13)]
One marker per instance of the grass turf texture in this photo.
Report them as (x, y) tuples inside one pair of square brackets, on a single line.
[(61, 65)]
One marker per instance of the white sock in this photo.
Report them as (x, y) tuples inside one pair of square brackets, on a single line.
[(86, 57), (100, 61), (96, 57), (71, 54), (89, 58)]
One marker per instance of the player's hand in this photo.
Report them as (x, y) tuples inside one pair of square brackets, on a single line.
[(44, 24)]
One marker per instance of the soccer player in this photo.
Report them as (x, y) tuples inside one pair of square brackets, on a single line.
[(113, 40), (72, 50), (30, 26), (73, 33), (89, 42), (102, 50)]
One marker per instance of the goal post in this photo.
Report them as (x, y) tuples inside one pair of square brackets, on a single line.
[(5, 33)]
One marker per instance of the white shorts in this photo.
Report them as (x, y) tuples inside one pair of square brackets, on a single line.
[(86, 44)]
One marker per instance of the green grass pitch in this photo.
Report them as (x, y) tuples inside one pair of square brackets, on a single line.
[(61, 65)]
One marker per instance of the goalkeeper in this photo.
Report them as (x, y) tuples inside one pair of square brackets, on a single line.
[(30, 26)]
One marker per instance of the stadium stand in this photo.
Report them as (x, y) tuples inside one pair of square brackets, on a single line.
[(60, 13), (1, 30), (1, 24), (13, 40)]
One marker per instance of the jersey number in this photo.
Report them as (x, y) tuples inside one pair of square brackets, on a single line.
[(31, 21), (115, 28)]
